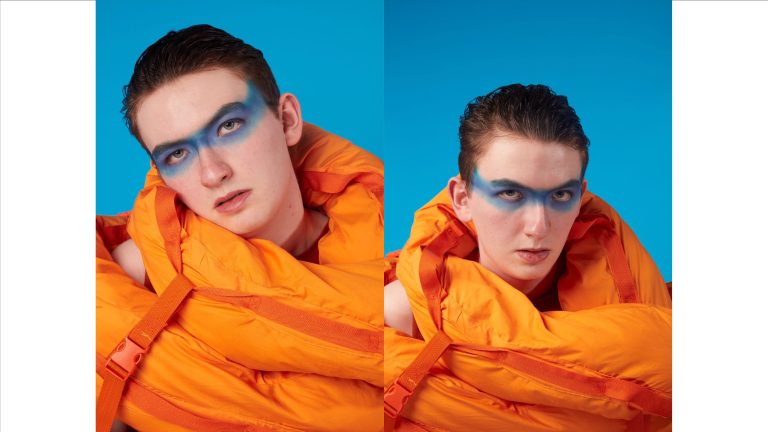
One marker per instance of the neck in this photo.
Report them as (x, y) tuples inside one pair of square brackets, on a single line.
[(295, 227), (527, 287), (544, 284), (306, 232)]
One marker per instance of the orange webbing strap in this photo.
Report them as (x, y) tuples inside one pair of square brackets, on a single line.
[(366, 340), (160, 408), (397, 395), (123, 360), (648, 400), (617, 259), (455, 239)]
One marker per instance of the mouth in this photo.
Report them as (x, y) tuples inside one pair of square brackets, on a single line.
[(532, 256), (232, 202)]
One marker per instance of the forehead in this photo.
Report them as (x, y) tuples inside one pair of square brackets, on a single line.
[(179, 108), (534, 163)]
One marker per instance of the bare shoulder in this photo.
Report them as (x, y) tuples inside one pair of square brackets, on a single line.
[(128, 255), (397, 308)]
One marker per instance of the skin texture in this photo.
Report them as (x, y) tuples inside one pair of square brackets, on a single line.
[(397, 309), (525, 198), (230, 126), (213, 156), (526, 195), (211, 136)]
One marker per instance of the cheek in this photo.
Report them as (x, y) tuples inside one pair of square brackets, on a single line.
[(257, 151), (189, 190), (562, 223), (493, 224)]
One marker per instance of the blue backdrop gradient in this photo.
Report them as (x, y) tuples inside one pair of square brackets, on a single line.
[(329, 54), (612, 59)]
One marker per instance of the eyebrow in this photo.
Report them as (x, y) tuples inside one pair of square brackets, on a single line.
[(513, 184), (224, 110)]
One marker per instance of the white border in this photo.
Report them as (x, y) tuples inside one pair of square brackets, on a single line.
[(47, 290), (47, 192), (720, 222)]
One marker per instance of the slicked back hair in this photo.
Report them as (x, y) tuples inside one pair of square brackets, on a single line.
[(193, 49), (533, 111)]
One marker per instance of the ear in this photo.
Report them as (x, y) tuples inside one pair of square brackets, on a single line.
[(457, 188), (289, 114), (583, 188)]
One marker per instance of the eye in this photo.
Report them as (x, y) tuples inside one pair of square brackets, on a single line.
[(229, 126), (176, 156), (510, 195), (562, 196)]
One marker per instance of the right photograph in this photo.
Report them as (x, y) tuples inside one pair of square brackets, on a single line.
[(528, 196)]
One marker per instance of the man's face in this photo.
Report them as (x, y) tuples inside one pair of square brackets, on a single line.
[(524, 199), (219, 147)]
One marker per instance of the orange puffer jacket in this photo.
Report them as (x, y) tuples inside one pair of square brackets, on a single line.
[(602, 363), (262, 341)]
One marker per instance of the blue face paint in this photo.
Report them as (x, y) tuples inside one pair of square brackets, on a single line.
[(510, 196), (230, 125)]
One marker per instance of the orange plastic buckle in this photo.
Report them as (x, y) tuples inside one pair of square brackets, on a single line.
[(395, 399), (123, 360)]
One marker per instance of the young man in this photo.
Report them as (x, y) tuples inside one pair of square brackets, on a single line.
[(262, 237), (515, 235)]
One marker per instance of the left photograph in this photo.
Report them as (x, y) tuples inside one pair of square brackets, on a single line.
[(239, 235)]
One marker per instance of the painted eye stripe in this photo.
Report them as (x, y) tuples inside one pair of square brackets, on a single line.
[(492, 190), (248, 113), (208, 135), (168, 154)]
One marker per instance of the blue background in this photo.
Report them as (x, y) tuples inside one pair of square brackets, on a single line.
[(330, 54), (612, 59)]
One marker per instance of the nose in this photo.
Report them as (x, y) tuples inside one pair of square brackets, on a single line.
[(214, 170), (537, 221)]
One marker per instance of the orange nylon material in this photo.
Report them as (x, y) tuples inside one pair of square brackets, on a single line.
[(619, 267), (163, 409), (329, 330), (397, 395), (406, 425), (115, 235), (431, 269), (615, 255), (153, 322), (431, 266), (142, 334), (313, 325), (644, 398), (599, 369), (169, 225), (390, 267), (267, 341)]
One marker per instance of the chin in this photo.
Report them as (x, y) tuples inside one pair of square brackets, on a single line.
[(246, 231), (530, 272)]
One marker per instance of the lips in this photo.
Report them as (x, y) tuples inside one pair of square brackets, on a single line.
[(232, 202), (532, 256)]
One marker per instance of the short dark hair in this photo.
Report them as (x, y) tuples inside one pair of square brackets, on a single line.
[(193, 49), (533, 111)]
